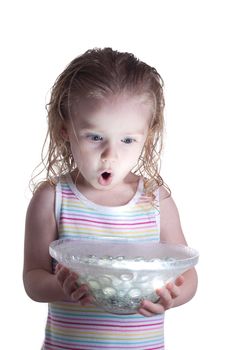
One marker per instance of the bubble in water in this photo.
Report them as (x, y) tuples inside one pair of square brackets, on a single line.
[(142, 278), (107, 257), (120, 258), (116, 282), (169, 259), (126, 277), (94, 284), (109, 292), (121, 293), (138, 259), (135, 293), (105, 281)]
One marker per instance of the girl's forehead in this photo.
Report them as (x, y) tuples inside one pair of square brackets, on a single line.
[(137, 108), (115, 119)]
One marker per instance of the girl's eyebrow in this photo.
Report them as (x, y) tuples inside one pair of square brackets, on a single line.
[(135, 132), (90, 130)]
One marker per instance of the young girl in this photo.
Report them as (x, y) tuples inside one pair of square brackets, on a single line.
[(105, 124)]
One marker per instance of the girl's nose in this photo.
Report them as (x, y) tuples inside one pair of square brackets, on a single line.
[(109, 154)]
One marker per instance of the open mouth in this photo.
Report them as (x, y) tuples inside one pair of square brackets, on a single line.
[(106, 175), (105, 178)]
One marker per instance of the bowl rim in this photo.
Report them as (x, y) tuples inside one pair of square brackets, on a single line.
[(184, 264)]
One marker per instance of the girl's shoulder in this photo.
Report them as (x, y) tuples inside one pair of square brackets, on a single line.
[(170, 225), (45, 188), (164, 193), (43, 198)]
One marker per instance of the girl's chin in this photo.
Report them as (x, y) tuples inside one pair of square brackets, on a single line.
[(104, 187)]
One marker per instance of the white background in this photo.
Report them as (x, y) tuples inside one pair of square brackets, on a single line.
[(190, 43)]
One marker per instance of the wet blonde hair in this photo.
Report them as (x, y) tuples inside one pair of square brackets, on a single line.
[(96, 75)]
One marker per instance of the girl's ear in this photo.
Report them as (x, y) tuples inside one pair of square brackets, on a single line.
[(64, 134)]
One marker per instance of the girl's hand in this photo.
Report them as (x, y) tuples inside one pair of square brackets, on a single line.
[(167, 295), (68, 282)]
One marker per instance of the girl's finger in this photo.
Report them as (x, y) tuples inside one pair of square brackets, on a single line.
[(70, 285), (173, 289), (79, 293), (179, 281), (149, 309), (145, 312), (87, 299), (62, 274), (165, 297), (57, 268)]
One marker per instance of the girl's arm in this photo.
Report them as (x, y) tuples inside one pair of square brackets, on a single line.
[(184, 288), (39, 281), (40, 230), (171, 232)]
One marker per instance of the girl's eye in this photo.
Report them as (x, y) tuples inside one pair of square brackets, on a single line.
[(95, 138), (128, 140)]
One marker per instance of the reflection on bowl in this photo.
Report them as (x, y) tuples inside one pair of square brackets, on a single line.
[(121, 273)]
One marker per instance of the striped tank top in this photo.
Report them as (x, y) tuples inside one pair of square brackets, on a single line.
[(71, 326)]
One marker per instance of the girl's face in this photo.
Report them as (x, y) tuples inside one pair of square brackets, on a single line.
[(107, 143)]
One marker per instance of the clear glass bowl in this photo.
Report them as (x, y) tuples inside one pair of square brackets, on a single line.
[(121, 273)]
